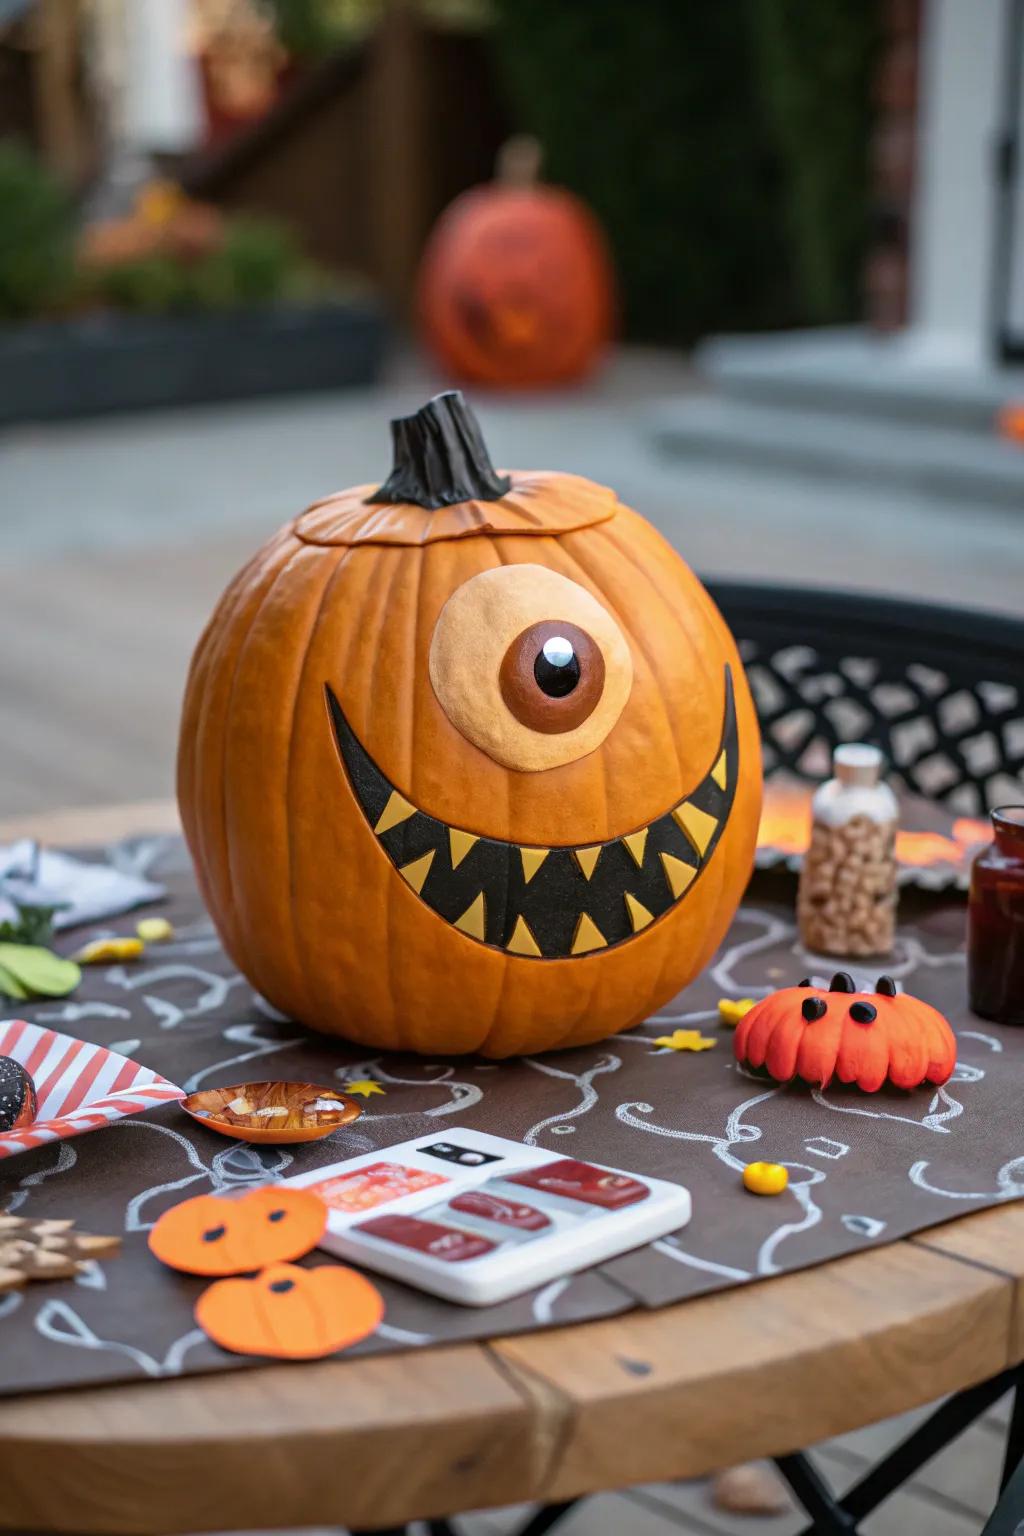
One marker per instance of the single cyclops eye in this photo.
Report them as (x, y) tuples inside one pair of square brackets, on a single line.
[(552, 676), (214, 1234), (557, 667)]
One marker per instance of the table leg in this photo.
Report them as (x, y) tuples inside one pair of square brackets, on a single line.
[(1015, 1433)]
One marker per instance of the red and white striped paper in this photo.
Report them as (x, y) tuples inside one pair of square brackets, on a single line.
[(79, 1086)]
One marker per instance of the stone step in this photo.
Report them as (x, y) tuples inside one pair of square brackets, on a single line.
[(924, 460), (852, 372)]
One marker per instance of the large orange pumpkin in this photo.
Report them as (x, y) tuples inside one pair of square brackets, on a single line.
[(516, 284), (469, 762)]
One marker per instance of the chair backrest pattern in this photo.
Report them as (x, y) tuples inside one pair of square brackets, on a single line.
[(939, 690)]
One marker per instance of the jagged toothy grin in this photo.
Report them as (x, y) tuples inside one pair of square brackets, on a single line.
[(547, 903)]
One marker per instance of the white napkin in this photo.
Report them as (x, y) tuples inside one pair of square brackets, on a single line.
[(86, 893)]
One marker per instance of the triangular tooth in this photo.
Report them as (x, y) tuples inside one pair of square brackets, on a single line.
[(587, 858), (697, 824), (638, 913), (678, 874), (474, 920), (460, 843), (415, 874), (720, 772), (522, 941), (636, 842), (532, 859), (397, 809), (588, 936)]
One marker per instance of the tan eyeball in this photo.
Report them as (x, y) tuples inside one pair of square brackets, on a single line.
[(529, 667)]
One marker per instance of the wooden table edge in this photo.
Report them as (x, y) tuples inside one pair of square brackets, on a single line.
[(106, 1424)]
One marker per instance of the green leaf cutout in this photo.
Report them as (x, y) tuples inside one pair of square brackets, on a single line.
[(10, 986), (40, 971)]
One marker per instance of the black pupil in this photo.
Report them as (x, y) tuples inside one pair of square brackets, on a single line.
[(213, 1234), (556, 669), (279, 1287), (276, 1216)]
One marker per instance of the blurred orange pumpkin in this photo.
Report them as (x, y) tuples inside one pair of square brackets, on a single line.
[(516, 285), (1011, 422), (469, 761)]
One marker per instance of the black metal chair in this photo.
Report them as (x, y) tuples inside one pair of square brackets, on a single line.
[(939, 690)]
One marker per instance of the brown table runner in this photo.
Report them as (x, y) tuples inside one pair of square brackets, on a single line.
[(864, 1169)]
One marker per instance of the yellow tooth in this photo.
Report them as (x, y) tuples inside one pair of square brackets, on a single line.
[(636, 842), (415, 874), (638, 913), (588, 936), (587, 858), (474, 918), (460, 843), (698, 825), (522, 941), (720, 773), (678, 874), (397, 809), (532, 859)]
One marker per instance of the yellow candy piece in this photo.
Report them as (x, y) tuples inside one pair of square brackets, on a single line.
[(99, 951), (154, 930), (685, 1040), (731, 1010), (765, 1178)]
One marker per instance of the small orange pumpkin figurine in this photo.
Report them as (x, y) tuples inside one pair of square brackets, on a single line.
[(516, 284), (217, 1235), (864, 1039), (290, 1313), (468, 761)]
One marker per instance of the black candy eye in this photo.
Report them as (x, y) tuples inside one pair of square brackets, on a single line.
[(213, 1234), (842, 981), (885, 986), (280, 1286), (276, 1215), (557, 667), (813, 1008), (863, 1013)]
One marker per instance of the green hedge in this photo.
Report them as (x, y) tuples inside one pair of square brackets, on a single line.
[(722, 143)]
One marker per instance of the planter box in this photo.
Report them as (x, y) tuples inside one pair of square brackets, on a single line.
[(52, 370)]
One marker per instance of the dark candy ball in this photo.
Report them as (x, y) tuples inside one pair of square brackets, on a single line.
[(17, 1095)]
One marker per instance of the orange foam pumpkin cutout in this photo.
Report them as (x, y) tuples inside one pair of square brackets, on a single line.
[(290, 1313), (425, 820), (516, 285), (858, 1038), (216, 1235)]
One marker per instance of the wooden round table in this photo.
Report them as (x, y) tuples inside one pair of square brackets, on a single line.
[(761, 1370)]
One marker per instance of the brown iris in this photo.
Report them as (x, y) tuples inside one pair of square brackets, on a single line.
[(552, 676)]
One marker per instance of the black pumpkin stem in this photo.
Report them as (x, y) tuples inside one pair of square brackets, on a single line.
[(441, 458)]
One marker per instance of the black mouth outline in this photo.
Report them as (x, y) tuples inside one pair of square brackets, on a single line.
[(547, 903)]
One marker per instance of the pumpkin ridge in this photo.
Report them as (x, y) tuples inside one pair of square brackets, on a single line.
[(636, 640), (294, 928), (229, 906)]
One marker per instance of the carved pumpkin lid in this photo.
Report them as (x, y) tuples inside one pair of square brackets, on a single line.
[(443, 486)]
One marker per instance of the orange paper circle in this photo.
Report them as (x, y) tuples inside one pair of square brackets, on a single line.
[(290, 1313), (218, 1235)]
